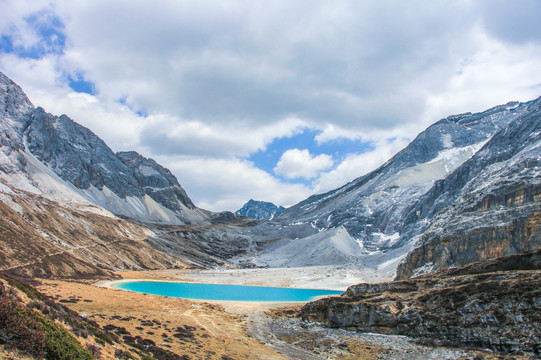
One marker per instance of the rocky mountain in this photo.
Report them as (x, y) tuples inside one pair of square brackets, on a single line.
[(465, 189), (489, 207), (487, 160), (62, 160), (260, 210), (70, 207), (41, 238)]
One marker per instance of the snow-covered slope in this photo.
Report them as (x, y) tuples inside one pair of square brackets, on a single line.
[(64, 161), (378, 210)]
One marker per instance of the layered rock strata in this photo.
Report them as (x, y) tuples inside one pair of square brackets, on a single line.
[(474, 306)]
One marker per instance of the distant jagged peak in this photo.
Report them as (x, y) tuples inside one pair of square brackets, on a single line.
[(9, 86), (260, 210), (13, 100)]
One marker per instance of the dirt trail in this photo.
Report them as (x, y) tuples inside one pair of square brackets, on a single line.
[(259, 328), (258, 323)]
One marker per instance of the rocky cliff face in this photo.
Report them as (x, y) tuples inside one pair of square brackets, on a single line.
[(58, 158), (260, 210), (77, 155), (156, 181), (471, 306), (14, 111), (489, 207)]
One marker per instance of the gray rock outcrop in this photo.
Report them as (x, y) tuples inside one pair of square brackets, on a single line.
[(472, 306)]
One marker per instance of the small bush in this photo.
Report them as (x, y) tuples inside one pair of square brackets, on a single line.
[(101, 336), (123, 355), (94, 349), (147, 357), (30, 291), (38, 305)]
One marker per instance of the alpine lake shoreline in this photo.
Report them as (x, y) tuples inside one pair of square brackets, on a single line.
[(196, 329)]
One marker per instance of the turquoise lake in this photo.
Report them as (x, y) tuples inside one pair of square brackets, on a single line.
[(223, 292)]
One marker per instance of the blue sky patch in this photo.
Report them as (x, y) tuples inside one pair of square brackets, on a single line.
[(49, 30), (6, 45), (339, 149), (79, 84)]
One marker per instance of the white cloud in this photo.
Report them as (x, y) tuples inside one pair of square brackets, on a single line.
[(223, 79), (496, 74), (13, 22), (256, 64), (227, 184), (170, 135), (295, 163), (41, 79)]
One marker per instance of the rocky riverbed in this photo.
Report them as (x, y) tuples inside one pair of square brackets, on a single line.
[(298, 339)]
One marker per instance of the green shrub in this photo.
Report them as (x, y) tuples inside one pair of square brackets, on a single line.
[(59, 344), (36, 334), (31, 292)]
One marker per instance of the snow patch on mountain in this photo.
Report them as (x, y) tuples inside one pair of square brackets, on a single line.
[(444, 163), (387, 240), (447, 141)]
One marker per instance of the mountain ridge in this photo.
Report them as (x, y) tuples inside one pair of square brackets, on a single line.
[(125, 183), (494, 203), (385, 209)]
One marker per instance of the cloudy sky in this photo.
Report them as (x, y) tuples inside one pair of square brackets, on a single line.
[(270, 100)]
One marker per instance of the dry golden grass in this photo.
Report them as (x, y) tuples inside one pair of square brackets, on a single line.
[(197, 329)]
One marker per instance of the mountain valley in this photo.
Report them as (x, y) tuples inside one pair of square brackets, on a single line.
[(458, 209)]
